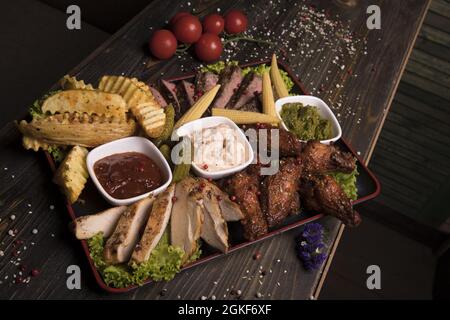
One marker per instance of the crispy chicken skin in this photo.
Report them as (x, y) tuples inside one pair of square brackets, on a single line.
[(288, 144), (321, 158), (244, 186), (279, 192), (323, 194)]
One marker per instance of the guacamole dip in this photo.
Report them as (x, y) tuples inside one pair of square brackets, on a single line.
[(305, 122)]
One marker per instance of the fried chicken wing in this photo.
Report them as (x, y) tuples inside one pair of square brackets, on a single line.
[(244, 186), (320, 158), (323, 194), (279, 197)]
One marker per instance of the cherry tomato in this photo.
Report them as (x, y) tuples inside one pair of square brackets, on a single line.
[(177, 16), (187, 29), (235, 22), (163, 44), (213, 23), (208, 48)]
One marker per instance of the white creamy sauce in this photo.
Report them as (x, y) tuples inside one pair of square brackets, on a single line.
[(218, 148)]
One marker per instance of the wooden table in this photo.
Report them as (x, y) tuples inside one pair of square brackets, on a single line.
[(356, 71)]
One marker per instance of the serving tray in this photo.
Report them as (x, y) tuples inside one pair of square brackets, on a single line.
[(367, 184)]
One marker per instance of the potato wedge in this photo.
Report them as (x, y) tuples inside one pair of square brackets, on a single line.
[(86, 101), (72, 174), (151, 118), (77, 129)]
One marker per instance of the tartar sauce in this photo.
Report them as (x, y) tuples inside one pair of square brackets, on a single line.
[(218, 148)]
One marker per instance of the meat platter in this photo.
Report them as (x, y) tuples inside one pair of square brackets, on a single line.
[(367, 185), (144, 211)]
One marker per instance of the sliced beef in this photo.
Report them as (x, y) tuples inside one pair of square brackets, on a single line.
[(250, 88), (230, 80), (189, 92), (158, 96), (254, 105), (204, 81), (170, 91), (279, 192)]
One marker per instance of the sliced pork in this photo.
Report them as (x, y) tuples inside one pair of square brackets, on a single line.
[(189, 91), (204, 81), (158, 96)]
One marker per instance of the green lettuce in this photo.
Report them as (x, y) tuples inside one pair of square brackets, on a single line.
[(259, 69), (164, 263), (347, 181), (57, 153)]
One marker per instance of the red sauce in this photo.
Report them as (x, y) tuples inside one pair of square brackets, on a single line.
[(127, 175)]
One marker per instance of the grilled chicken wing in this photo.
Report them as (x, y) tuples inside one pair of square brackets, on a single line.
[(279, 196), (320, 158), (323, 194), (244, 186)]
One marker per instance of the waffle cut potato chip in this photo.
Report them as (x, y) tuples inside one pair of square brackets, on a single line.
[(139, 99), (151, 119), (30, 143), (77, 129), (86, 101), (67, 83), (72, 174)]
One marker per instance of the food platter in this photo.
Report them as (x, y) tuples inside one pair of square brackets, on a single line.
[(367, 185)]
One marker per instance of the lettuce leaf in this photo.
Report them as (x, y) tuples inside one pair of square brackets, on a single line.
[(164, 263), (347, 181)]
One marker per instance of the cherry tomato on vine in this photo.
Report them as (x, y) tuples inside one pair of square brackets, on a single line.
[(176, 17), (235, 22), (213, 23), (208, 48), (187, 29), (163, 44)]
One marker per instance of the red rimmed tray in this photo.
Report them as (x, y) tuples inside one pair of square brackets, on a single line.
[(367, 184)]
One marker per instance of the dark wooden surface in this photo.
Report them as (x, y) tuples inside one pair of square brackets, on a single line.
[(412, 157), (360, 92)]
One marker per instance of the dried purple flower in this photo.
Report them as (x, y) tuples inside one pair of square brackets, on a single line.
[(310, 246)]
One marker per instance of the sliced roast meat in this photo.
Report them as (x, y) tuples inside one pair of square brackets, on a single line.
[(189, 91), (120, 245), (156, 224), (204, 81), (86, 227), (214, 230), (230, 80), (250, 88), (171, 91), (187, 218), (158, 96)]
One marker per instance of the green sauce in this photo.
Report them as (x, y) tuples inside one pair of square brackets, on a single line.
[(305, 122)]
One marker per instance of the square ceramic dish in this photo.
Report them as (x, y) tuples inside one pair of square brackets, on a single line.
[(189, 128), (130, 144), (367, 184)]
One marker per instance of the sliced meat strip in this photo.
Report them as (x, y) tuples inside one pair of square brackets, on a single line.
[(158, 96), (156, 224), (189, 91), (230, 80), (88, 226), (250, 88), (120, 245), (204, 81)]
